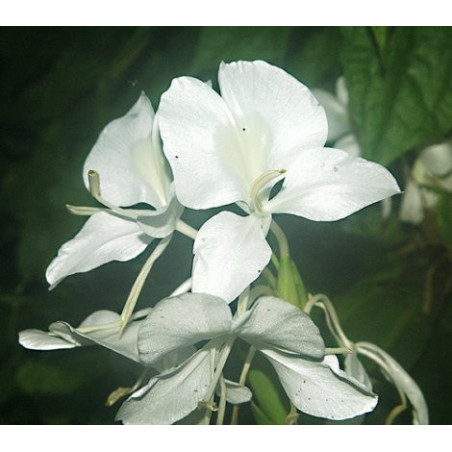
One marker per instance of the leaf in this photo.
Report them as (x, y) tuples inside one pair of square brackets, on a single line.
[(403, 100), (271, 405)]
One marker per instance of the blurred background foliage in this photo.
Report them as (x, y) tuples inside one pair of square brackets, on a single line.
[(390, 281)]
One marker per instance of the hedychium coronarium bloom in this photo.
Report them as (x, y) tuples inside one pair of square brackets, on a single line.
[(126, 167), (284, 335), (265, 127)]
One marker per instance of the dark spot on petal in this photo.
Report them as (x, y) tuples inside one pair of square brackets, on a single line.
[(259, 271), (243, 129), (176, 156)]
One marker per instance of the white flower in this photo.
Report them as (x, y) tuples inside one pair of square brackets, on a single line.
[(285, 335), (265, 126), (125, 167), (431, 170)]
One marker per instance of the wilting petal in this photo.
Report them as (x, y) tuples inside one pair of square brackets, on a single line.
[(276, 324), (103, 238), (230, 252), (397, 374), (182, 321), (131, 165), (328, 184), (275, 114), (199, 136), (171, 396), (319, 389)]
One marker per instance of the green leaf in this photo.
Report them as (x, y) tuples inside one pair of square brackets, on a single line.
[(402, 99), (217, 44), (271, 403)]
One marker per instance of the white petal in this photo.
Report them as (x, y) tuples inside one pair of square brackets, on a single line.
[(317, 389), (400, 377), (200, 142), (237, 393), (349, 143), (42, 340), (171, 396), (355, 369), (161, 223), (279, 114), (182, 321), (437, 158), (336, 113), (412, 206), (328, 184), (103, 238), (278, 325), (230, 252), (130, 164)]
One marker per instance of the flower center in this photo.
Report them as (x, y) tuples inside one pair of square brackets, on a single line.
[(260, 191)]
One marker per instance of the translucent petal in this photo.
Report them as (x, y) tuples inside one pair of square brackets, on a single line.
[(103, 238), (328, 184), (320, 389), (276, 324), (171, 396), (130, 163), (230, 253), (182, 321)]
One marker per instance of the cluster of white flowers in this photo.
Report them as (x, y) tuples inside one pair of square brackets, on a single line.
[(259, 146)]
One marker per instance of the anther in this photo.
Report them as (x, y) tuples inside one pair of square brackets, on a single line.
[(94, 183)]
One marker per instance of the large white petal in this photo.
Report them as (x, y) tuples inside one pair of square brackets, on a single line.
[(103, 238), (278, 325), (327, 184), (171, 396), (230, 253), (397, 374), (200, 142), (130, 163), (279, 114), (320, 389), (182, 321)]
